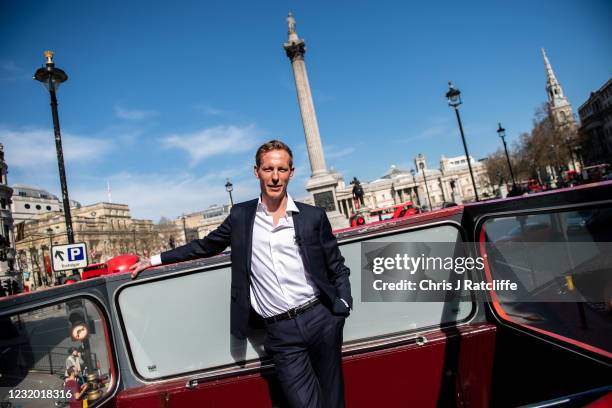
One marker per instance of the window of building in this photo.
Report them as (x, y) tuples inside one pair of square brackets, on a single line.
[(48, 208), (38, 207), (27, 206), (3, 203)]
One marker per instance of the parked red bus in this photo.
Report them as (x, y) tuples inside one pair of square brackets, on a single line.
[(117, 264), (394, 212), (94, 270)]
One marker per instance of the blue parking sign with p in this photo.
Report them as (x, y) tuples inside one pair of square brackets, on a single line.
[(76, 254), (71, 256)]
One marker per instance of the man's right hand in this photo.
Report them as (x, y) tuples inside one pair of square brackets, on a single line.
[(140, 266)]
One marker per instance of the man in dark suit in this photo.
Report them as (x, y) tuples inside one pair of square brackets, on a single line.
[(287, 267)]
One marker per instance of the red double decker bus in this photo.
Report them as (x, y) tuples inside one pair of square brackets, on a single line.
[(394, 212)]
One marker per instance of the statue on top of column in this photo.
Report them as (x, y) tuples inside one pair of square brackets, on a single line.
[(291, 23), (357, 191)]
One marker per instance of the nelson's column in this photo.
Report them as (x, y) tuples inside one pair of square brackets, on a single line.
[(321, 184)]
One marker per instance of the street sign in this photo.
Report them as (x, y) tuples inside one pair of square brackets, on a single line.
[(71, 256)]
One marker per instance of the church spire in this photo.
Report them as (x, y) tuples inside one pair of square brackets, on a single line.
[(550, 75), (557, 102), (553, 88)]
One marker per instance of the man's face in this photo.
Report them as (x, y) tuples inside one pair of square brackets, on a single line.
[(75, 352), (274, 174)]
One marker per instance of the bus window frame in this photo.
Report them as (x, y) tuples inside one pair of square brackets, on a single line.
[(109, 338), (256, 365), (495, 308)]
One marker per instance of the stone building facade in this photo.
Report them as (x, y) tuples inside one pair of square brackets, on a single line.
[(596, 126), (107, 229), (7, 238), (29, 201), (211, 218), (450, 183)]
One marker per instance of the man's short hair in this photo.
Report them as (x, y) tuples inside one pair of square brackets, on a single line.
[(71, 370), (272, 145)]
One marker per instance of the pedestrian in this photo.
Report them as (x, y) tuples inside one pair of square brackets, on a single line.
[(74, 360), (287, 268), (73, 392)]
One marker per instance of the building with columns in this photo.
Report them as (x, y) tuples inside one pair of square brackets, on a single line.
[(450, 183)]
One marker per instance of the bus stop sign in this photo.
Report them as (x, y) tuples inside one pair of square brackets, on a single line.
[(71, 256)]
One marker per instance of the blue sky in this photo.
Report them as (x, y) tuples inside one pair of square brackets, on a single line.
[(167, 99)]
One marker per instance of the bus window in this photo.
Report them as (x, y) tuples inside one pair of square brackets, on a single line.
[(202, 334), (561, 261), (40, 345)]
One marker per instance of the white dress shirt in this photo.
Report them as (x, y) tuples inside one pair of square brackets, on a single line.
[(279, 280)]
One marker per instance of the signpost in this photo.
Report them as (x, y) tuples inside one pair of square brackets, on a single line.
[(71, 256)]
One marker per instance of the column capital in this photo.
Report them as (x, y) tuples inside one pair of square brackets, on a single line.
[(295, 50)]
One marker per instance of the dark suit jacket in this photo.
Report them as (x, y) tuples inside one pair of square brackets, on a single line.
[(314, 237)]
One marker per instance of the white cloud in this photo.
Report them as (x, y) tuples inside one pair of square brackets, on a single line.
[(433, 131), (214, 141), (151, 196), (10, 71), (321, 97), (134, 114), (334, 152), (35, 147), (210, 110)]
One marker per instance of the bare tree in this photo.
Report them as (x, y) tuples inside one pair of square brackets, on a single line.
[(497, 168), (547, 146)]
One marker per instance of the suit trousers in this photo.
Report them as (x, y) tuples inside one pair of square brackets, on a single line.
[(307, 353)]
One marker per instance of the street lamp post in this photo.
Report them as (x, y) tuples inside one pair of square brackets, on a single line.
[(52, 77), (229, 187), (422, 166), (184, 228), (134, 238), (568, 141), (501, 132), (50, 234), (416, 190), (454, 100)]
